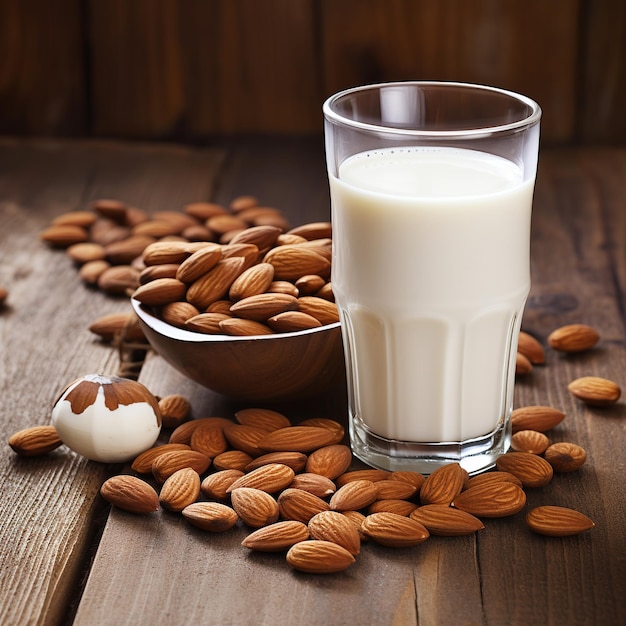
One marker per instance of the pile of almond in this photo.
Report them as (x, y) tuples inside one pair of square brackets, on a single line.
[(210, 269)]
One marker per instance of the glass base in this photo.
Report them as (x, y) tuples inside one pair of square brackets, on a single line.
[(474, 455)]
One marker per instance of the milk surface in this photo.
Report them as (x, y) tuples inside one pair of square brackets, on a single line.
[(431, 273)]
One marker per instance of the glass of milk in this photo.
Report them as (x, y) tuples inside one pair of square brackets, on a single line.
[(431, 186)]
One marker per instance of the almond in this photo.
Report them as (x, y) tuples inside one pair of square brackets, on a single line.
[(224, 223), (254, 281), (130, 493), (265, 419), (523, 365), (245, 438), (118, 279), (156, 229), (232, 459), (323, 422), (443, 485), (292, 321), (357, 518), (91, 271), (204, 210), (217, 485), (84, 252), (531, 348), (262, 237), (330, 461), (540, 418), (498, 499), (443, 520), (209, 439), (334, 527), (256, 508), (313, 230), (573, 338), (215, 284), (399, 507), (64, 235), (160, 291), (309, 284), (565, 456), (165, 252), (111, 208), (493, 477), (296, 439), (414, 478), (271, 478), (126, 251), (372, 475), (180, 489), (276, 537), (152, 272), (295, 460), (394, 531), (532, 470), (244, 328), (144, 462), (531, 441), (169, 462), (283, 286), (35, 441), (109, 327), (557, 521), (199, 263), (177, 313), (299, 505), (247, 252), (75, 218), (263, 306), (324, 311), (210, 516), (175, 409), (208, 323), (353, 496), (292, 262), (182, 433), (319, 557), (319, 486), (394, 490), (595, 391)]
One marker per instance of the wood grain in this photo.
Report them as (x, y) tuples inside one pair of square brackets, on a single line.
[(49, 508)]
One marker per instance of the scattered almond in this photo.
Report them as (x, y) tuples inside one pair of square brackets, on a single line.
[(394, 531), (595, 391), (540, 418), (319, 557), (180, 489), (299, 505), (333, 526), (565, 456), (532, 470), (355, 495), (256, 508), (440, 519), (276, 537), (272, 478), (130, 493), (557, 521), (210, 516), (531, 441), (330, 461), (573, 338), (492, 500), (443, 485), (35, 441), (531, 348)]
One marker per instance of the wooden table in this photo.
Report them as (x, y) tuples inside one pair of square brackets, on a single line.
[(66, 557)]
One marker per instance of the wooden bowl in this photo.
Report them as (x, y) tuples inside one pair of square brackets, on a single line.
[(275, 367)]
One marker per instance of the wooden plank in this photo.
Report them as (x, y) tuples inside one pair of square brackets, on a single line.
[(50, 506), (481, 42), (602, 94), (42, 88), (578, 271), (190, 69)]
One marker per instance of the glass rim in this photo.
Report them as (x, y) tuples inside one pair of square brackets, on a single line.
[(332, 116)]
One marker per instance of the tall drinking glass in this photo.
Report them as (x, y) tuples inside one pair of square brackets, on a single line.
[(431, 187)]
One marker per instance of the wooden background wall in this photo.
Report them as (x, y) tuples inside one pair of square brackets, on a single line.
[(188, 69)]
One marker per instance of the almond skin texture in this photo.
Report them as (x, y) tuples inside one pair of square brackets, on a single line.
[(573, 338), (160, 291), (595, 391), (209, 439), (443, 485), (319, 557), (373, 475), (531, 348), (319, 486), (329, 461), (394, 531), (322, 422), (491, 478), (565, 457), (299, 505), (272, 478), (144, 462), (532, 470), (491, 500), (296, 439), (181, 489), (245, 438), (216, 485), (335, 527), (276, 537), (531, 441), (169, 462), (414, 478), (399, 507), (131, 494), (540, 418), (175, 409), (446, 521), (35, 441), (261, 307), (256, 508), (356, 495), (557, 521), (265, 419), (295, 460), (232, 459), (394, 490), (210, 516)]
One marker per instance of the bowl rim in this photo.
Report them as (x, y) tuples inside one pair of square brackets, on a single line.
[(180, 334)]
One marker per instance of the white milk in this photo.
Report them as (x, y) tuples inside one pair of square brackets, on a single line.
[(431, 273)]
